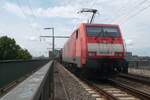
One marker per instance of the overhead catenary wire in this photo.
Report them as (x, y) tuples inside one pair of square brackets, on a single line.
[(22, 10), (123, 10), (93, 4), (124, 6), (26, 14), (125, 16), (31, 9), (137, 13)]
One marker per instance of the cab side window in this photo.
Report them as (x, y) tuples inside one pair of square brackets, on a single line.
[(77, 34)]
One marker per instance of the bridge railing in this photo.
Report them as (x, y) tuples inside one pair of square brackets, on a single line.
[(139, 64), (38, 86), (14, 70)]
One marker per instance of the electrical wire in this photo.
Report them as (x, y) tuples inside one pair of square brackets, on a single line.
[(137, 13), (19, 5), (94, 2), (121, 11), (25, 14), (129, 14), (31, 9)]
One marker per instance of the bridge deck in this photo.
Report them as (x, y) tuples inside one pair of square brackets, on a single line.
[(27, 90)]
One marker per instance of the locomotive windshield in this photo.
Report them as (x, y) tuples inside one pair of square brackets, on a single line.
[(103, 31)]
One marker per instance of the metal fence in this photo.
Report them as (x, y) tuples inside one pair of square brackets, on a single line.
[(13, 70), (38, 86), (139, 64)]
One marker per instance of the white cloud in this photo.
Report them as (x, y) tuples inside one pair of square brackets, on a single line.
[(35, 25), (33, 38), (58, 11), (65, 11), (22, 11), (135, 30), (13, 8)]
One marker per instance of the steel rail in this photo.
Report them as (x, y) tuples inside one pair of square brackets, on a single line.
[(138, 78), (100, 91), (138, 93), (106, 95)]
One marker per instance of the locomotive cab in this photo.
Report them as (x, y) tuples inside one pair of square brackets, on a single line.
[(105, 49), (105, 41)]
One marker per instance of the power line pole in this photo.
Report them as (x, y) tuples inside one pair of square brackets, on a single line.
[(53, 39)]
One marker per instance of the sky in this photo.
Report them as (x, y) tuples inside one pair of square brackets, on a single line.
[(25, 20)]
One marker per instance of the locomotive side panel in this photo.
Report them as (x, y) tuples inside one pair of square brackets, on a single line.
[(78, 48), (75, 49), (83, 44), (69, 50)]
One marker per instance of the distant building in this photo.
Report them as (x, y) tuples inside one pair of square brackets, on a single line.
[(129, 56), (50, 54), (56, 53)]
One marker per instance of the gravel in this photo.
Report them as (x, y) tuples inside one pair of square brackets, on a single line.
[(72, 86)]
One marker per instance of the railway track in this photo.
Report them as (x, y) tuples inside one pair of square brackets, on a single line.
[(122, 87), (138, 86), (125, 87), (110, 92), (137, 78), (104, 90)]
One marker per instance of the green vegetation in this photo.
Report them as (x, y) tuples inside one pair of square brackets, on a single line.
[(9, 50)]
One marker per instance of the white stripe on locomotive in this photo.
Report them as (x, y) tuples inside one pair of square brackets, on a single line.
[(103, 48)]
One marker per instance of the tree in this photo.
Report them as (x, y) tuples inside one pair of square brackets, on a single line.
[(9, 50), (24, 54)]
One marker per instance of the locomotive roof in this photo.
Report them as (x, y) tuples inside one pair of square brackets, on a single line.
[(93, 24)]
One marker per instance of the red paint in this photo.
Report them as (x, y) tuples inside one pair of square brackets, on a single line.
[(77, 47)]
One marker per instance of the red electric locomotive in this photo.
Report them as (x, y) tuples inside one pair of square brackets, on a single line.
[(97, 48)]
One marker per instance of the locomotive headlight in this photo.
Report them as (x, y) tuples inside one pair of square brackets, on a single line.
[(92, 53), (118, 54)]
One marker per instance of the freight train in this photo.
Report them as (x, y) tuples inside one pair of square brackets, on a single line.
[(96, 49)]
